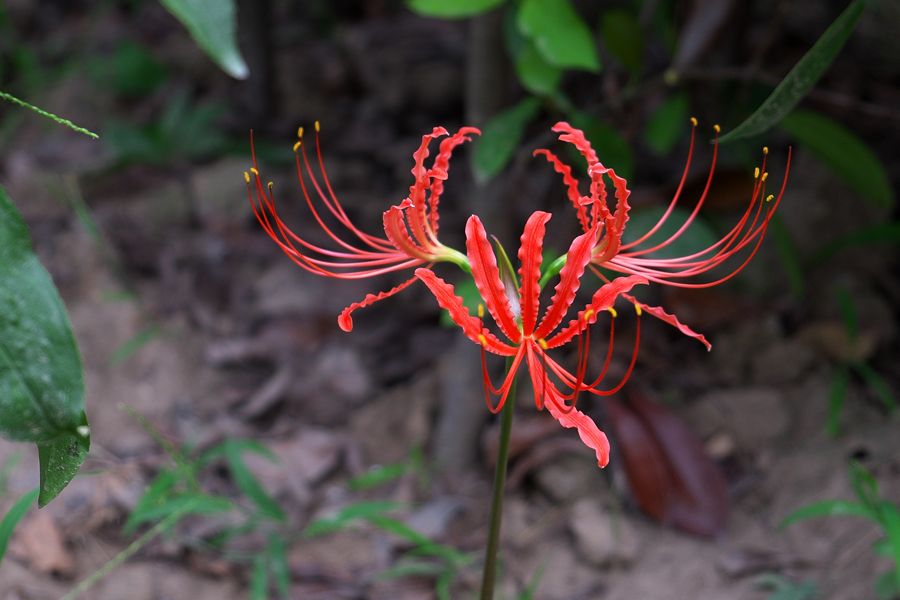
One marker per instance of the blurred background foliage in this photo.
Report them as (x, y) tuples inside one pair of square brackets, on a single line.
[(173, 87)]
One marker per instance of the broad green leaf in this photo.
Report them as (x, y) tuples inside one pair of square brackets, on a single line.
[(259, 579), (801, 78), (536, 74), (12, 518), (452, 9), (843, 152), (836, 396), (561, 36), (623, 37), (213, 25), (276, 550), (696, 237), (250, 485), (829, 508), (60, 459), (667, 124), (41, 381), (612, 149), (500, 138)]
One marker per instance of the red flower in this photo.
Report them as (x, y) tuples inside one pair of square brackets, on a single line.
[(528, 338), (410, 228), (632, 257)]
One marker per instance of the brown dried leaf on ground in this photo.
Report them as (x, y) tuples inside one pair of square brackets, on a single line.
[(39, 542)]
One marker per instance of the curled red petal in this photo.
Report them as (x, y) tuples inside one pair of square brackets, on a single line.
[(588, 431), (576, 137), (571, 184), (577, 258), (453, 304), (530, 257), (486, 274), (662, 315), (603, 298), (345, 320)]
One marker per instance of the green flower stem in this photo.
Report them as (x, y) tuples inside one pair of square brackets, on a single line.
[(490, 559)]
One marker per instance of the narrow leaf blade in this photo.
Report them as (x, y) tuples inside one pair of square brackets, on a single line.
[(801, 78), (12, 518), (843, 152), (455, 9)]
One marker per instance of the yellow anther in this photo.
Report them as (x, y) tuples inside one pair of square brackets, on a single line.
[(765, 176), (765, 149), (297, 146), (588, 314), (246, 176), (270, 185), (543, 343), (481, 311), (756, 173), (716, 128), (318, 127), (638, 309), (255, 171), (694, 121), (770, 197), (300, 132), (613, 312), (482, 340)]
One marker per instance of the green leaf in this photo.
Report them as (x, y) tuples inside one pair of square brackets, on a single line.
[(695, 238), (213, 25), (828, 508), (349, 514), (801, 78), (259, 579), (536, 74), (624, 38), (878, 386), (156, 494), (843, 152), (12, 518), (612, 149), (278, 564), (41, 381), (667, 124), (559, 34), (500, 138), (848, 313), (890, 522), (791, 261), (452, 9), (60, 460), (413, 568), (836, 396), (183, 505), (250, 485), (887, 586), (382, 474), (864, 484)]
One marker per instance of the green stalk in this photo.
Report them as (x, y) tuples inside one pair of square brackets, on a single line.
[(490, 559)]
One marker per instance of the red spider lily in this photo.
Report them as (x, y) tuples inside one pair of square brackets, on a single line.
[(410, 228), (631, 258), (530, 339)]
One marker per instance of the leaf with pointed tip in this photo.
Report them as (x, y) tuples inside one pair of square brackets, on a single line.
[(560, 35), (41, 381), (500, 138), (452, 9), (213, 25), (801, 78)]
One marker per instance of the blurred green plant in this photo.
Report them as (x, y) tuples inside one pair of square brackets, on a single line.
[(872, 507), (12, 518), (183, 132), (131, 71), (853, 362), (782, 588)]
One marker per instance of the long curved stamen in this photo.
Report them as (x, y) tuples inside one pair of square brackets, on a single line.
[(675, 197)]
